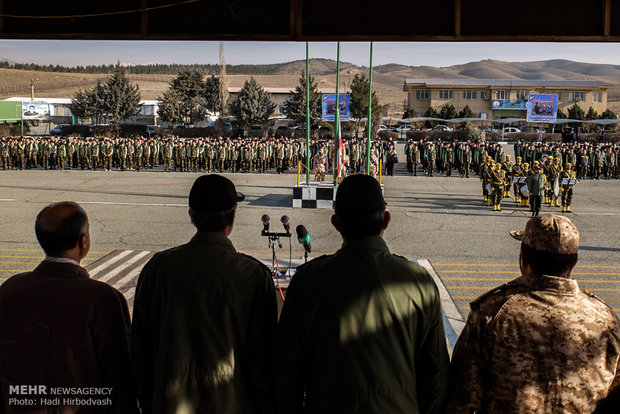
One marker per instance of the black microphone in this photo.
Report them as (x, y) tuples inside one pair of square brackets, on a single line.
[(285, 223), (303, 237), (265, 220)]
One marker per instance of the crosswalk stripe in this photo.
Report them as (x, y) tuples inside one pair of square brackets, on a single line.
[(97, 269), (120, 284), (123, 266)]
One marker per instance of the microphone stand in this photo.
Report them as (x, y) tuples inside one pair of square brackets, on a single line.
[(273, 238)]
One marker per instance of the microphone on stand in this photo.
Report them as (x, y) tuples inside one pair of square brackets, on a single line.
[(303, 237), (286, 224)]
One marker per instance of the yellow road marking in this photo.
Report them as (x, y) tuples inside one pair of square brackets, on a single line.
[(514, 265), (518, 273), (501, 279), (467, 307), (39, 250), (491, 287), (8, 256), (3, 262), (14, 270)]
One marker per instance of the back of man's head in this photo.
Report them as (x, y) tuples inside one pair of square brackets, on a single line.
[(212, 201), (550, 244), (59, 226), (359, 207)]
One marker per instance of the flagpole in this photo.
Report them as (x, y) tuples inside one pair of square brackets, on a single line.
[(307, 115), (369, 122), (337, 119)]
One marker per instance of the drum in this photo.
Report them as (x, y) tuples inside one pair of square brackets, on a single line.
[(524, 192), (488, 187), (556, 187)]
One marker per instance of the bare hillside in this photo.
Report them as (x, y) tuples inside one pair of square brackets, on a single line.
[(387, 79)]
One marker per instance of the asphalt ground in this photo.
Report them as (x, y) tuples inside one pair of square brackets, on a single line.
[(436, 219)]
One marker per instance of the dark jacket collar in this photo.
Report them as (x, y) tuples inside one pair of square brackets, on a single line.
[(59, 269), (212, 237), (561, 285), (365, 243)]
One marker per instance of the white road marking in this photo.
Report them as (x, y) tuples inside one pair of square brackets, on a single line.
[(113, 203), (109, 263), (124, 266)]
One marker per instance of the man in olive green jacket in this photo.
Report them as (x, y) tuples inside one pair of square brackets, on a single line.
[(204, 318), (361, 330), (536, 188)]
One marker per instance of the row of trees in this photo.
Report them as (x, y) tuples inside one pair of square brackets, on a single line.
[(448, 111), (152, 69), (191, 96), (108, 102)]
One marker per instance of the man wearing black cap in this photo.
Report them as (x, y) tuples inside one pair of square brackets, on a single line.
[(361, 330), (204, 317)]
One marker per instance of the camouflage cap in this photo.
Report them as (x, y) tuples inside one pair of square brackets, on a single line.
[(552, 234)]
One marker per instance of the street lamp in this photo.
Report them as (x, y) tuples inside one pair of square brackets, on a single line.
[(32, 81)]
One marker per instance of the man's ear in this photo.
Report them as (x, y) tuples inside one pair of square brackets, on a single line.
[(387, 217), (335, 222), (84, 244)]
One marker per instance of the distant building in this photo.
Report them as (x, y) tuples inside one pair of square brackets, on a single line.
[(279, 96), (61, 114), (501, 98)]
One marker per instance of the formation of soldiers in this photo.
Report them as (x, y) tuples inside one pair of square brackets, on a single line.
[(589, 160), (173, 154), (498, 177), (449, 157)]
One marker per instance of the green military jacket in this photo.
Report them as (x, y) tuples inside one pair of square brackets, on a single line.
[(536, 184), (361, 331), (204, 322)]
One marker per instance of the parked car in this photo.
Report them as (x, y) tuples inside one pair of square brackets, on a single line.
[(442, 128), (57, 130), (151, 129), (403, 128), (382, 128), (510, 130)]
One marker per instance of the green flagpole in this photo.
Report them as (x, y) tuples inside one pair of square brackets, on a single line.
[(307, 115), (337, 118), (369, 122)]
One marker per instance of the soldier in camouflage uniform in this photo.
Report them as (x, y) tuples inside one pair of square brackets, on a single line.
[(538, 344)]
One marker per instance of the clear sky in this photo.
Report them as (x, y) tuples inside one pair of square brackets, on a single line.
[(439, 54)]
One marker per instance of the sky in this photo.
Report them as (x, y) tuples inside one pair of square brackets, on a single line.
[(438, 54)]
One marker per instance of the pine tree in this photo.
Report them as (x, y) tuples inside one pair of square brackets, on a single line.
[(609, 114), (295, 105), (409, 113), (252, 106), (575, 112), (121, 100), (115, 100), (170, 107), (359, 103), (189, 88), (448, 111), (212, 94), (466, 112), (430, 113), (592, 114)]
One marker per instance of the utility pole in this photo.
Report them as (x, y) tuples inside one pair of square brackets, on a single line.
[(32, 81), (223, 82)]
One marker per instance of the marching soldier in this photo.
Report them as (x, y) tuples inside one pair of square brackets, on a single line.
[(507, 167), (567, 188), (62, 155), (518, 171), (485, 178), (497, 186), (319, 165), (107, 151)]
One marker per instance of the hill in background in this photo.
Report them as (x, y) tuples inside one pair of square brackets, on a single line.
[(387, 79)]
